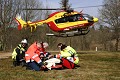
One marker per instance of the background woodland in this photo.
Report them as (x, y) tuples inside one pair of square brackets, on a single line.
[(105, 35)]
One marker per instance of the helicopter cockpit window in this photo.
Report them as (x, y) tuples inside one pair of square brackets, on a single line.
[(72, 18), (87, 17)]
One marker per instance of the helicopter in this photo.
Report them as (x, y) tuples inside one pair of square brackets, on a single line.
[(66, 22)]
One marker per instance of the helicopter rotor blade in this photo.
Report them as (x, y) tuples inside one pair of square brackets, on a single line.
[(65, 7), (43, 9)]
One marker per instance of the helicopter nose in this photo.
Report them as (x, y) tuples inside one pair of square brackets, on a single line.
[(95, 19)]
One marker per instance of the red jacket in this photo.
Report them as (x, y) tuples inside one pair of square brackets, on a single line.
[(33, 53)]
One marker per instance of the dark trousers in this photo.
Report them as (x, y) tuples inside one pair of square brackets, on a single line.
[(33, 66), (19, 60), (19, 57)]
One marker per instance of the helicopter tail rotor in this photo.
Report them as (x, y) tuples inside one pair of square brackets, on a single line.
[(21, 23)]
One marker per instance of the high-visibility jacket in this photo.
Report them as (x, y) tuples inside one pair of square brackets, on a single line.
[(32, 54), (70, 54), (18, 50)]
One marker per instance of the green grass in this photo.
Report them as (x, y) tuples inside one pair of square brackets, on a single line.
[(93, 66)]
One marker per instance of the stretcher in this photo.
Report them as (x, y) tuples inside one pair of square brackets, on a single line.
[(55, 63)]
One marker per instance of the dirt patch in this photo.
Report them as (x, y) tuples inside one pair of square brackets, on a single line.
[(5, 55)]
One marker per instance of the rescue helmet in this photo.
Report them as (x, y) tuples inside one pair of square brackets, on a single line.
[(45, 44), (24, 41)]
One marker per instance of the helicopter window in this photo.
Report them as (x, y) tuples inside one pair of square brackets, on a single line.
[(87, 17), (75, 17), (72, 18), (79, 17), (61, 20)]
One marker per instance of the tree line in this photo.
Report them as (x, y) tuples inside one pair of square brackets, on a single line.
[(105, 35)]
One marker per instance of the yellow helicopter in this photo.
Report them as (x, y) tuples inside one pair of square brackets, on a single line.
[(65, 22)]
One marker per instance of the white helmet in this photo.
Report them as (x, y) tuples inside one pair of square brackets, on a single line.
[(24, 41), (45, 44)]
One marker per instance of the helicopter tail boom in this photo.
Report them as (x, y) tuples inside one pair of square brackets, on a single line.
[(24, 24)]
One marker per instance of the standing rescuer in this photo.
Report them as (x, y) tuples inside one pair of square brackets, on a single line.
[(19, 53)]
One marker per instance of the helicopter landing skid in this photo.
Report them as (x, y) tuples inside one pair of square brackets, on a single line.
[(69, 34)]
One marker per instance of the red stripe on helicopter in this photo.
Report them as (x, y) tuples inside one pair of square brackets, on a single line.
[(53, 26), (19, 25)]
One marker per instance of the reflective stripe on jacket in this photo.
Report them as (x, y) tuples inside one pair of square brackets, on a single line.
[(32, 54), (18, 50), (14, 54), (70, 52)]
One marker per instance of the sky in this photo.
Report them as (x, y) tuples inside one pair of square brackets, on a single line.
[(93, 11)]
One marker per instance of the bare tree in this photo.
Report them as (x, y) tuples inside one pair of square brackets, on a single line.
[(105, 36), (8, 32), (65, 4), (110, 15), (6, 17), (31, 15)]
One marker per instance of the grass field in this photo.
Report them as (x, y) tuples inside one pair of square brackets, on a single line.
[(93, 66)]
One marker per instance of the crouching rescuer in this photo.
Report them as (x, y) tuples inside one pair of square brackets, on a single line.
[(19, 53), (68, 56), (32, 57)]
